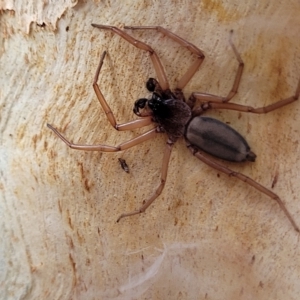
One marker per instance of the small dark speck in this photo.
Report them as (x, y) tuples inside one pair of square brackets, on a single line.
[(67, 28), (275, 180), (124, 165), (41, 25), (218, 175)]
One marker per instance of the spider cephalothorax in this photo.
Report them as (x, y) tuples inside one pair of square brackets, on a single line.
[(176, 117), (169, 112)]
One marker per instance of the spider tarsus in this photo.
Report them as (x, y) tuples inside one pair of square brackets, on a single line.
[(100, 26), (121, 217), (51, 127)]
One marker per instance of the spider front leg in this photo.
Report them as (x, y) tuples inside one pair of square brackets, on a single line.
[(105, 148), (193, 68), (204, 97), (161, 75), (141, 122), (164, 172), (220, 167)]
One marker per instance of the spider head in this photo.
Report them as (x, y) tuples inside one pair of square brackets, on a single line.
[(157, 106)]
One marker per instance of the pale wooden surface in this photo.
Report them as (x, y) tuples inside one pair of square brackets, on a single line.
[(206, 237)]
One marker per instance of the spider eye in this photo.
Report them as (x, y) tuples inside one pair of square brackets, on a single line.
[(156, 97), (155, 102)]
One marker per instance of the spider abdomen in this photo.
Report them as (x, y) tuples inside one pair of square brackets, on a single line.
[(218, 139)]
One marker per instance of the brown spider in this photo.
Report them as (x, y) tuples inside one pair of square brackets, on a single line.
[(177, 117)]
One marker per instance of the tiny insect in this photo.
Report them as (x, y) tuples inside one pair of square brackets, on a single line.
[(178, 118), (124, 165)]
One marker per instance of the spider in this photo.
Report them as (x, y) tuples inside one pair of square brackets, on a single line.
[(176, 117)]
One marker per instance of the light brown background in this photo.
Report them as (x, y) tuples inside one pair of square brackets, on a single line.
[(206, 236)]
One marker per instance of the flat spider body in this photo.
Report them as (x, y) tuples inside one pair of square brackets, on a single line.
[(173, 115)]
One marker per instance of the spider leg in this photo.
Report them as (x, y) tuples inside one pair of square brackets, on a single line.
[(138, 123), (220, 167), (244, 108), (164, 172), (105, 148), (194, 67), (161, 75), (204, 97)]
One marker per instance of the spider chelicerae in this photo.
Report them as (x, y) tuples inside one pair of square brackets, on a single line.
[(177, 117)]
